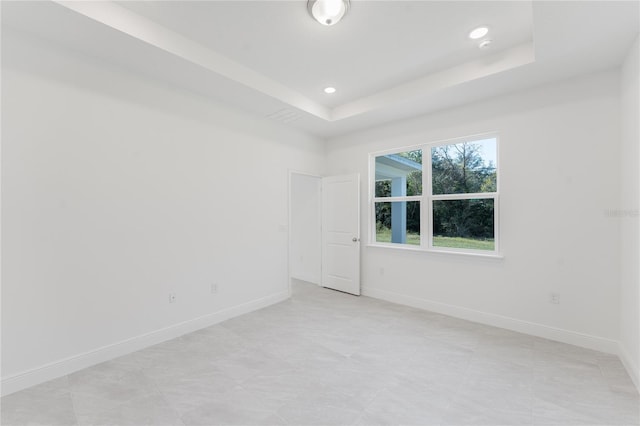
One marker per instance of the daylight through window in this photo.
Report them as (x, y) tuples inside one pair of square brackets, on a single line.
[(453, 206)]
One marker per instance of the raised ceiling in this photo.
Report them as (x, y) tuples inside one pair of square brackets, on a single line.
[(388, 59), (376, 47)]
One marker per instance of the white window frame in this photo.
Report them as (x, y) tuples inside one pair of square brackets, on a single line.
[(427, 198)]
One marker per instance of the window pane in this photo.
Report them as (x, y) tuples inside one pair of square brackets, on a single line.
[(399, 175), (463, 168), (465, 224), (398, 222)]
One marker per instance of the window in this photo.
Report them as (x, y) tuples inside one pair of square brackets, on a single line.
[(451, 207), (398, 193)]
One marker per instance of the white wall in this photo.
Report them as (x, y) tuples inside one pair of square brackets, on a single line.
[(305, 228), (116, 191), (628, 216), (559, 159)]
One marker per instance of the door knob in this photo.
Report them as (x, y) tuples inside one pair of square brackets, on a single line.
[(355, 239)]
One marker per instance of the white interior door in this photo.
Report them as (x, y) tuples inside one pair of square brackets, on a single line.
[(341, 233)]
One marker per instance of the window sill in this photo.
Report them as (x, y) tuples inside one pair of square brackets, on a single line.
[(437, 252)]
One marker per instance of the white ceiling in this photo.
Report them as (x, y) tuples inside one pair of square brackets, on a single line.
[(388, 59), (375, 47)]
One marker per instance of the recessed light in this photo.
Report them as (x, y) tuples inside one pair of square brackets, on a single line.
[(329, 90), (485, 43), (478, 33)]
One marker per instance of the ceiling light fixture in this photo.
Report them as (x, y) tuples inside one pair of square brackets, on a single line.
[(328, 12), (329, 90), (478, 33)]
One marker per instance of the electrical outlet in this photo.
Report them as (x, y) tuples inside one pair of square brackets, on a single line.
[(554, 298), (172, 297), (214, 288)]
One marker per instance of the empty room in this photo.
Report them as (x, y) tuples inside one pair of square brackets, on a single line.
[(320, 212)]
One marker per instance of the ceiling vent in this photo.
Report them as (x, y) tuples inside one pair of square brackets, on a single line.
[(285, 116)]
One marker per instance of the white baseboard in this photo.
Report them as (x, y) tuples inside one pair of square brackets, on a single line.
[(531, 328), (77, 362), (631, 365)]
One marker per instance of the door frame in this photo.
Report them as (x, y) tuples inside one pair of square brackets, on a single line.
[(289, 233)]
